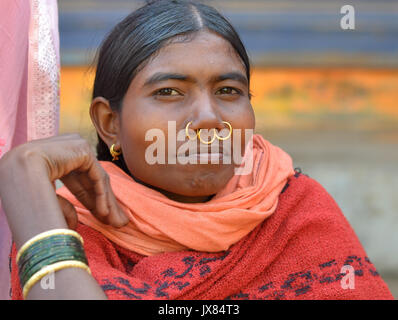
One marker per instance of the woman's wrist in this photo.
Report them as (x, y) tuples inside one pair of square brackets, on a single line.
[(28, 196)]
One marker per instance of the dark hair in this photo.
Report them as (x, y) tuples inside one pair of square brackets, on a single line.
[(131, 44)]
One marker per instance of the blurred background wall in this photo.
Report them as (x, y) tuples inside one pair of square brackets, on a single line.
[(326, 95)]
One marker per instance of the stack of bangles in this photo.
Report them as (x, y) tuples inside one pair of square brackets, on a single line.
[(49, 252)]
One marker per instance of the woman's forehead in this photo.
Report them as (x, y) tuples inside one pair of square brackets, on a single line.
[(206, 53)]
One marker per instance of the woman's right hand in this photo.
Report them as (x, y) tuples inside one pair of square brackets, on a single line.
[(68, 158), (27, 176)]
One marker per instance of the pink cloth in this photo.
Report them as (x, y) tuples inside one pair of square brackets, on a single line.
[(29, 87)]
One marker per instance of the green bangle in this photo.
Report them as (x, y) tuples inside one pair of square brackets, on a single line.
[(47, 257), (48, 243), (47, 251), (39, 262), (48, 246), (44, 249), (27, 274), (44, 235)]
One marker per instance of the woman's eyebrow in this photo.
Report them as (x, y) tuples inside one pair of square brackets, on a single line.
[(237, 76), (163, 76)]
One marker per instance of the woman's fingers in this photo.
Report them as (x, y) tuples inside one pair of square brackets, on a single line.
[(105, 198), (92, 188), (106, 202), (119, 219), (69, 212), (70, 159), (73, 181), (100, 188)]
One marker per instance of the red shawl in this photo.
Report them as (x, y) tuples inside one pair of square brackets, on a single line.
[(297, 253)]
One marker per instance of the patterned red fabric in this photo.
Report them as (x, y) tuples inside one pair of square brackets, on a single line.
[(298, 253)]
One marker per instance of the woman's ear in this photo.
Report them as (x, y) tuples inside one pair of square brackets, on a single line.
[(105, 120)]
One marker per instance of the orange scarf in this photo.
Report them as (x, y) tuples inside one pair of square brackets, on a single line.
[(158, 224)]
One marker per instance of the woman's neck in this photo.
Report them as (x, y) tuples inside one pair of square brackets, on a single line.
[(185, 199), (175, 196)]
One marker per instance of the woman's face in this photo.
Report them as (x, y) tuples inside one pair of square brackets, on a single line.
[(203, 81)]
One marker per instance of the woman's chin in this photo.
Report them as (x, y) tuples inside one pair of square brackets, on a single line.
[(199, 187)]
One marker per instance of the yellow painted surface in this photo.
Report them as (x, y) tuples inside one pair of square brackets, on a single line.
[(281, 97), (75, 98)]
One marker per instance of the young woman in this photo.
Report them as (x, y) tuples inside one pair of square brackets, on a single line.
[(155, 219)]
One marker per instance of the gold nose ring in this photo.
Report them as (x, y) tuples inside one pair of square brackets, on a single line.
[(229, 134), (187, 133), (207, 142), (214, 136)]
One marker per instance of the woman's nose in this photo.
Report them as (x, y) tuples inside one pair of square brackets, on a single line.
[(206, 116)]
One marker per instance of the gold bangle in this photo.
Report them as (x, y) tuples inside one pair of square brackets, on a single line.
[(52, 268), (47, 234)]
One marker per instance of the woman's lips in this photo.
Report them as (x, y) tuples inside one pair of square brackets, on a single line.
[(206, 157), (203, 157), (204, 154), (202, 150)]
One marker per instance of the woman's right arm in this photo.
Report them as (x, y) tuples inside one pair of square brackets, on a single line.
[(27, 175)]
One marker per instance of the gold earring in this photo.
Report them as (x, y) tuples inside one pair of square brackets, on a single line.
[(229, 134), (187, 133), (115, 153)]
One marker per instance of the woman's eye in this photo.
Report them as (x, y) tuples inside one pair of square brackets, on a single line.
[(228, 90), (167, 92)]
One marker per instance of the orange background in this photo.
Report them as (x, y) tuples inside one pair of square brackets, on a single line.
[(282, 98)]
